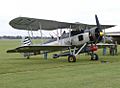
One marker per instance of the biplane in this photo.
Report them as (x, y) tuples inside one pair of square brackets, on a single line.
[(81, 38)]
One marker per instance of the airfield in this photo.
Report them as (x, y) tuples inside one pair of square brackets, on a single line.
[(36, 72)]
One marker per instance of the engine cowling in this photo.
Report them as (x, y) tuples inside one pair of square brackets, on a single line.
[(95, 34)]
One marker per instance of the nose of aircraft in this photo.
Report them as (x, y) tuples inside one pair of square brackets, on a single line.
[(101, 34)]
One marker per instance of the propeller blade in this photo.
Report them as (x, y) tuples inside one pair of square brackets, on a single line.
[(98, 31), (97, 22)]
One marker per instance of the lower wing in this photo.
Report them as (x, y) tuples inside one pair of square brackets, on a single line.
[(33, 48), (100, 45)]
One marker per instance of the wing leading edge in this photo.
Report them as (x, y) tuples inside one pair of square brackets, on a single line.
[(26, 49), (25, 23)]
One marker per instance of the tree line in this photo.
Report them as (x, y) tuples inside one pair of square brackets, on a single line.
[(20, 37)]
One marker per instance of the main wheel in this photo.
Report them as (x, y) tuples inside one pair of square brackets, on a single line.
[(71, 58), (94, 57)]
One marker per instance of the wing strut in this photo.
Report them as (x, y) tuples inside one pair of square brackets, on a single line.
[(31, 37), (57, 35), (31, 31), (41, 32), (80, 49), (70, 34), (28, 32), (61, 36)]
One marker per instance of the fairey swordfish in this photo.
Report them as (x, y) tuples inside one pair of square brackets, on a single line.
[(81, 39)]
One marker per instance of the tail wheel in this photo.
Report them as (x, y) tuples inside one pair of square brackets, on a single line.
[(94, 57), (71, 58)]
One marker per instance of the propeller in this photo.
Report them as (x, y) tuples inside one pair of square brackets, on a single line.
[(95, 33), (98, 31), (97, 22)]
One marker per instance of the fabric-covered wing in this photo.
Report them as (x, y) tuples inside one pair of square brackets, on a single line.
[(26, 49), (25, 23), (33, 24)]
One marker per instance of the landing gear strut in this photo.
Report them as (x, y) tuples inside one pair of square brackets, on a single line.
[(71, 58), (94, 56)]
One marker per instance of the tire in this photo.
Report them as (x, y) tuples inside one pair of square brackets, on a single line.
[(71, 58), (94, 57)]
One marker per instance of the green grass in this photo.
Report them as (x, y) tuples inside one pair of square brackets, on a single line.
[(36, 72)]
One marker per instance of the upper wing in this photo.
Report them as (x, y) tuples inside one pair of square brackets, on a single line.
[(33, 24), (33, 48)]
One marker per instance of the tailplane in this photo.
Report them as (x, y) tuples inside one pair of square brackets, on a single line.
[(26, 41)]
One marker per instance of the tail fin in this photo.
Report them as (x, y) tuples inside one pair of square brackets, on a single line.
[(26, 41)]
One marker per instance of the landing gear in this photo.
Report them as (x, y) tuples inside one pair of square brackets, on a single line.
[(72, 55), (71, 58), (94, 57)]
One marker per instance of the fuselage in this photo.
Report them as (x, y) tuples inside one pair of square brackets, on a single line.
[(76, 40)]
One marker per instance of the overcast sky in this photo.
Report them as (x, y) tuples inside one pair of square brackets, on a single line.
[(82, 11)]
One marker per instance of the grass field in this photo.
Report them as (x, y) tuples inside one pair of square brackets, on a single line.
[(18, 72)]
